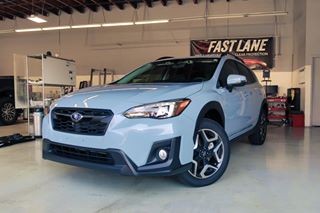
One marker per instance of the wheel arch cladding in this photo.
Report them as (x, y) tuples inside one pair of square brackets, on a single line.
[(212, 110), (264, 105)]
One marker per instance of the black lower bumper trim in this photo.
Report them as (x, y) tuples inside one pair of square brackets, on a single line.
[(111, 159)]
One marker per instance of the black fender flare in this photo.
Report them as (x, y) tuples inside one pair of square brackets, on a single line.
[(212, 105), (264, 102)]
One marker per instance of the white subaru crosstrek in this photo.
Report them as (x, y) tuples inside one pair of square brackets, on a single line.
[(174, 116)]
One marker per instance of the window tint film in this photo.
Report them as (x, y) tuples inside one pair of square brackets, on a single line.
[(178, 70), (228, 68), (246, 72)]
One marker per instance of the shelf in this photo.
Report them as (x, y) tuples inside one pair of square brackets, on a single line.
[(277, 109), (50, 85), (272, 100), (277, 117)]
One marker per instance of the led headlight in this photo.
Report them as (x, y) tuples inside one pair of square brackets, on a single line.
[(165, 109)]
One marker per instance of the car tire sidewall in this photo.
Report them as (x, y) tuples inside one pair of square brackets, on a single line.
[(256, 138), (187, 178)]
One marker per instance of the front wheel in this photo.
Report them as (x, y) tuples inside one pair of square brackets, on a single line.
[(211, 154)]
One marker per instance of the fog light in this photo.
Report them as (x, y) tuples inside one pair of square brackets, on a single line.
[(162, 154)]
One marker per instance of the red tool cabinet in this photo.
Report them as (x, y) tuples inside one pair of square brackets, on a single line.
[(277, 109)]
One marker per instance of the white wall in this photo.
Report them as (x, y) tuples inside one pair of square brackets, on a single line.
[(127, 47), (299, 34), (312, 50)]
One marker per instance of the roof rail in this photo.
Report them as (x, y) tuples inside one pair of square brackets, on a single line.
[(233, 55), (164, 57)]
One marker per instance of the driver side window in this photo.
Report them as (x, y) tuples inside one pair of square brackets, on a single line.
[(229, 68)]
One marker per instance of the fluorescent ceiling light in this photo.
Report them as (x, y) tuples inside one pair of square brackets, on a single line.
[(117, 24), (159, 21), (36, 19), (28, 30), (86, 26), (183, 19), (226, 16), (56, 28), (6, 31), (263, 14)]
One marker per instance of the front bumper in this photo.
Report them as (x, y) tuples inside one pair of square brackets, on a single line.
[(115, 159)]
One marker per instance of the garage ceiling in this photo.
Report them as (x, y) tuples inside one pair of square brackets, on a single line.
[(10, 9)]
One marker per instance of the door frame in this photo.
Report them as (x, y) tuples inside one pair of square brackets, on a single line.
[(313, 92)]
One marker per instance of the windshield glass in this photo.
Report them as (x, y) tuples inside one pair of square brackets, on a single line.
[(178, 70)]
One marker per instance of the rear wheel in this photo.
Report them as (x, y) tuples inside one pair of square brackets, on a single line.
[(259, 135), (210, 155), (8, 113)]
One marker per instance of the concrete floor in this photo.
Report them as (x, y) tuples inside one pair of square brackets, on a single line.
[(281, 176)]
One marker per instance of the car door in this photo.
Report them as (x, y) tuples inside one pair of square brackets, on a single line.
[(251, 92), (233, 102)]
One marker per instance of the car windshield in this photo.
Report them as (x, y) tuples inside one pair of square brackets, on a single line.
[(176, 70)]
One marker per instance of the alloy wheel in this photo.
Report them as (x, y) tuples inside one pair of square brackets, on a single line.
[(208, 154), (8, 112)]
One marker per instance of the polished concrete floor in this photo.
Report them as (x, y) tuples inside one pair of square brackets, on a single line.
[(281, 176)]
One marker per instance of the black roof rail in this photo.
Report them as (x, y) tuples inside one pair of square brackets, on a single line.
[(164, 57), (233, 55)]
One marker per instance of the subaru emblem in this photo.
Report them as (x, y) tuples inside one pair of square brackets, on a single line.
[(76, 117)]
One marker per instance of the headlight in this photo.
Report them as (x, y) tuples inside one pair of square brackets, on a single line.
[(160, 110)]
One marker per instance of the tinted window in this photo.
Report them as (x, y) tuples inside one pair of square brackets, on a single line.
[(177, 70), (243, 70), (228, 68)]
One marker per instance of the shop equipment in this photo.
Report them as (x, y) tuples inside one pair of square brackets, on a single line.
[(37, 121), (294, 96), (38, 81), (102, 76), (277, 110)]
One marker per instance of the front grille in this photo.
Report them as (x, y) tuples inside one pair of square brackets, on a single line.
[(93, 122), (81, 154)]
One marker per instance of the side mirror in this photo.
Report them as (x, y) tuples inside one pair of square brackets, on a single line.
[(235, 81)]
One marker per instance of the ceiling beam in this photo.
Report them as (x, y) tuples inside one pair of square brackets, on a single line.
[(133, 4), (148, 3), (83, 5), (13, 12), (94, 7), (117, 4), (97, 4), (59, 8), (164, 2), (106, 6), (7, 15), (65, 7), (180, 2), (36, 8), (31, 10)]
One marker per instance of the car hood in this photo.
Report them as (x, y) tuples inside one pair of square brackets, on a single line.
[(120, 97)]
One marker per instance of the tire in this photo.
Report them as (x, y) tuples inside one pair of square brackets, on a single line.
[(211, 155), (259, 135), (8, 112)]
